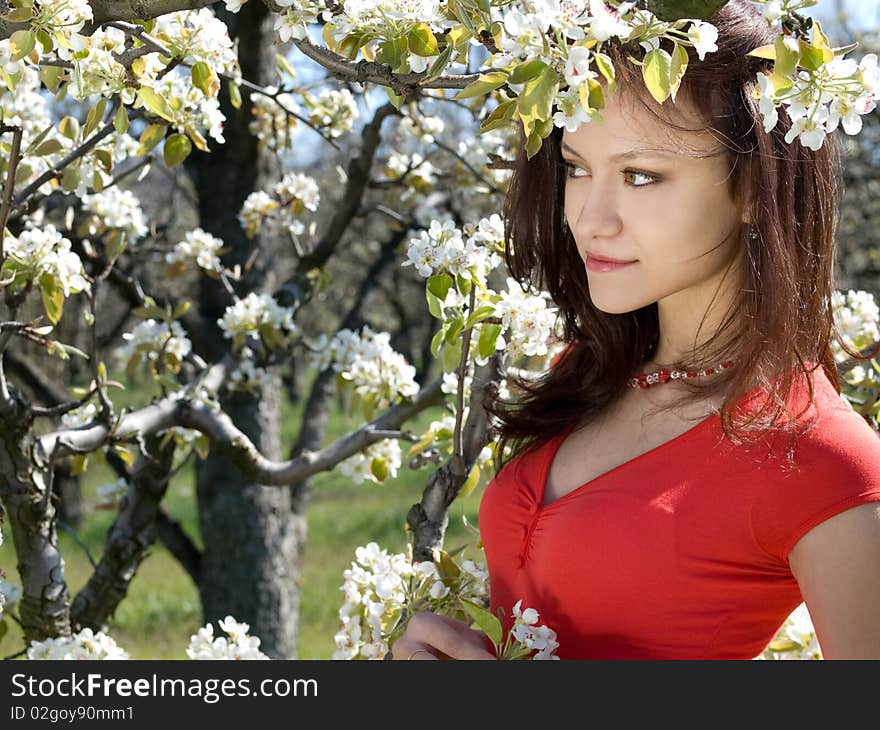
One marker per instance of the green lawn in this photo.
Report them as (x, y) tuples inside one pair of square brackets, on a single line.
[(162, 609)]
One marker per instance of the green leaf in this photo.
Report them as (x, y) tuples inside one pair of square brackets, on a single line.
[(379, 468), (94, 117), (285, 65), (180, 309), (49, 147), (655, 72), (479, 314), (52, 76), (470, 483), (434, 305), (488, 337), (124, 453), (446, 567), (606, 68), (392, 51), (535, 101), (451, 355), (79, 464), (234, 95), (21, 43), (767, 52), (69, 127), (813, 57), (500, 116), (786, 58), (490, 624), (677, 68), (155, 103), (436, 341), (150, 137), (526, 71), (440, 63), (70, 178), (205, 79), (439, 285), (53, 297), (421, 41), (454, 328), (483, 85), (395, 99), (177, 149)]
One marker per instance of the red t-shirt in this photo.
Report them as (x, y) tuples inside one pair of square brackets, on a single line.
[(681, 552)]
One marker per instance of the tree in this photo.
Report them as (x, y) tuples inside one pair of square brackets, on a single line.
[(262, 254)]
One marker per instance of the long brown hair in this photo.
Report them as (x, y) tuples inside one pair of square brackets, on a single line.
[(781, 319)]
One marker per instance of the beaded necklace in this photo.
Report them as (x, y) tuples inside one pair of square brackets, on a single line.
[(646, 380)]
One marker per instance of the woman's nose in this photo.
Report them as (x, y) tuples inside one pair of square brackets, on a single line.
[(598, 215)]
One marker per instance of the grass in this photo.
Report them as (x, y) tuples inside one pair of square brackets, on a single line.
[(162, 609)]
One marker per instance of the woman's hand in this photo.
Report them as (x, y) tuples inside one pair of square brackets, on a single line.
[(432, 636)]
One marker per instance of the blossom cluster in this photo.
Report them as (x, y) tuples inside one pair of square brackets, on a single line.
[(273, 123), (856, 317), (156, 343), (382, 590), (238, 646), (85, 644), (528, 320), (81, 416), (376, 463), (281, 211), (261, 316), (442, 249), (114, 208), (540, 639), (10, 592), (452, 264), (44, 252), (334, 111), (818, 101), (378, 373), (198, 35), (248, 376), (199, 247)]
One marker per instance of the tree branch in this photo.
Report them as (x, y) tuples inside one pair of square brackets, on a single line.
[(379, 73)]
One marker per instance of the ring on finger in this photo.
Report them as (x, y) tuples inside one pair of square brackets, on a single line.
[(419, 651)]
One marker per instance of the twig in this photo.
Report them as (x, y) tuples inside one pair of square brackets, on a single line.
[(80, 543), (458, 452), (476, 173), (6, 206), (254, 88)]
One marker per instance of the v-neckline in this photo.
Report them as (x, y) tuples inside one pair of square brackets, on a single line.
[(556, 443)]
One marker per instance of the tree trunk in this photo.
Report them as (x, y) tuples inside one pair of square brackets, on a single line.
[(252, 534)]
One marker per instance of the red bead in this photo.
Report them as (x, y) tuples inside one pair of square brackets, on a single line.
[(710, 371), (692, 375), (664, 375)]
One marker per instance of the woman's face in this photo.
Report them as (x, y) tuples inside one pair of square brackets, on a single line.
[(640, 191)]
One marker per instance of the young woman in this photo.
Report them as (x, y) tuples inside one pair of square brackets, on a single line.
[(687, 516)]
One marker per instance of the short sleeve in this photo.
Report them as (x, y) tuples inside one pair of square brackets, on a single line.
[(837, 467)]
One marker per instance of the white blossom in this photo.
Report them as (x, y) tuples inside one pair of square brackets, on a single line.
[(200, 247), (238, 646), (85, 644)]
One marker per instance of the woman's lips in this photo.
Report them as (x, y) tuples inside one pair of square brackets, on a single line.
[(602, 264)]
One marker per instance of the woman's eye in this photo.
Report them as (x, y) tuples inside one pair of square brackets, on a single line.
[(639, 179), (574, 171)]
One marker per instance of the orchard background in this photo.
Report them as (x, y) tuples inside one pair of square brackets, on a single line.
[(254, 291)]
